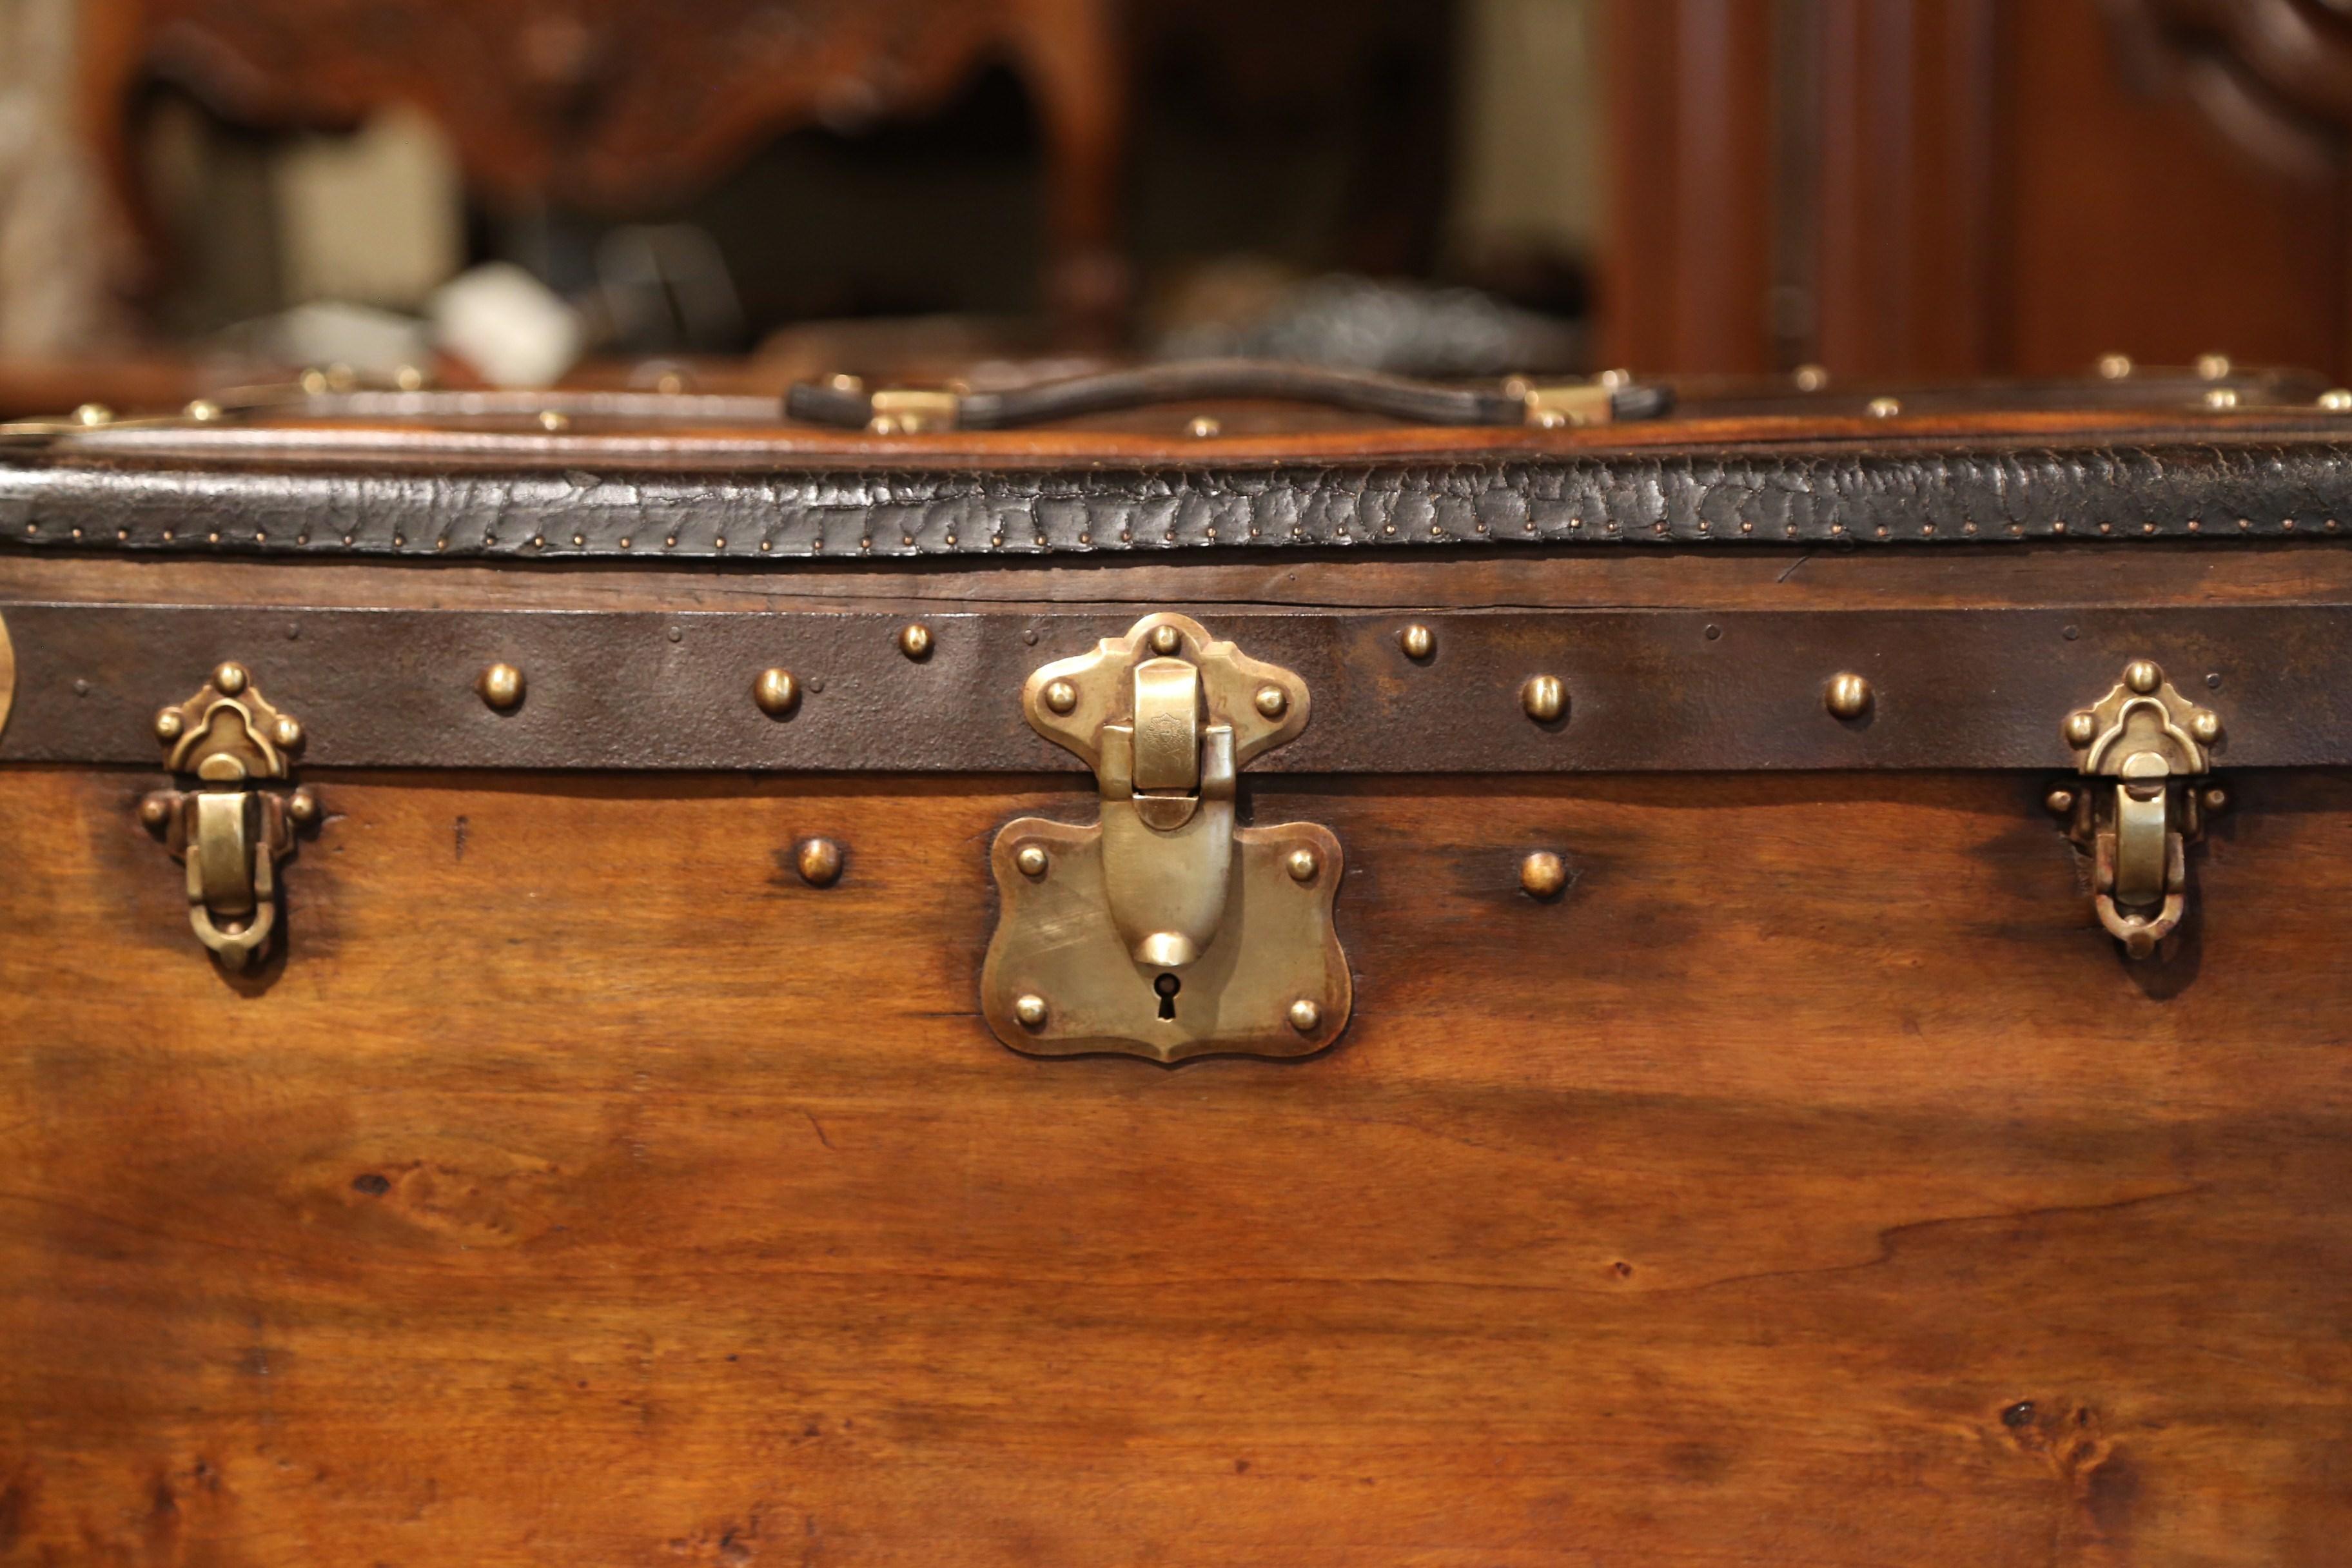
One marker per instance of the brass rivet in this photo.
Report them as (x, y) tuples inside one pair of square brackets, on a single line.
[(1811, 377), (2216, 799), (1204, 429), (1032, 859), (1417, 641), (1848, 695), (2213, 367), (551, 420), (2222, 397), (155, 810), (776, 692), (2082, 728), (1306, 1017), (1884, 408), (168, 724), (1302, 865), (1544, 699), (1166, 639), (1272, 702), (94, 413), (820, 862), (287, 733), (500, 686), (2142, 675), (1031, 1010), (230, 678), (2336, 400), (203, 410), (2115, 367), (1543, 874), (1061, 695), (2059, 802), (302, 806), (915, 641), (2205, 727)]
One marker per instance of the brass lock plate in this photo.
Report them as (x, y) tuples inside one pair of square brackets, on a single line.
[(1163, 929)]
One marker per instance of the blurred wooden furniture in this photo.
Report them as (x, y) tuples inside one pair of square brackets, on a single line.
[(616, 105), (1963, 188)]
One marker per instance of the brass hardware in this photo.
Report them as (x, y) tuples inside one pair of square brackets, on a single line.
[(1165, 930), (229, 827), (915, 641), (1417, 641), (1884, 408), (2151, 741), (820, 862), (1568, 406), (1848, 695), (7, 675), (502, 687), (1811, 378), (2335, 400), (1544, 699), (906, 411), (1204, 429), (2213, 367), (1543, 875), (2115, 367), (2222, 398), (776, 692)]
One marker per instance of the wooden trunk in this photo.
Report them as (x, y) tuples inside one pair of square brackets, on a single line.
[(1812, 1179)]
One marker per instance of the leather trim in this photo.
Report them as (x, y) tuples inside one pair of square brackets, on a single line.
[(1851, 493)]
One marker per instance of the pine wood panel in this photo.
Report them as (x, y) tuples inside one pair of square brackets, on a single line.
[(1811, 1184)]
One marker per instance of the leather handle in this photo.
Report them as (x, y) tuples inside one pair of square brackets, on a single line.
[(848, 404)]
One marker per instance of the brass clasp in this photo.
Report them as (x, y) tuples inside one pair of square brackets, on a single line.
[(229, 826), (2147, 748), (1164, 929)]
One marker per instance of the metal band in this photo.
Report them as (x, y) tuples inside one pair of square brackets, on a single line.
[(1667, 690), (2223, 488)]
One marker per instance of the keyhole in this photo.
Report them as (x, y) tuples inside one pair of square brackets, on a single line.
[(1167, 985)]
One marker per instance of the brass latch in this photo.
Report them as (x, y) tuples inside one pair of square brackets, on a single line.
[(1164, 929), (228, 824), (2148, 747)]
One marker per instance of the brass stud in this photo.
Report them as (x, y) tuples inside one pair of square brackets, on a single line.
[(1848, 695), (1031, 1010), (551, 421), (2082, 728), (1543, 874), (2115, 367), (203, 410), (1417, 641), (915, 641), (1302, 865), (287, 733), (1166, 639), (302, 806), (2213, 367), (2222, 398), (155, 810), (93, 414), (2336, 400), (1204, 429), (2142, 675), (1884, 408), (1306, 1017), (501, 686), (1544, 697), (2205, 727), (1811, 377), (2059, 802), (1032, 859), (1061, 695), (1272, 702), (820, 862), (776, 691), (230, 678), (169, 723), (2217, 800)]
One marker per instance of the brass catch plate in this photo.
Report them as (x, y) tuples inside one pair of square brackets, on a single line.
[(1276, 948), (1165, 929)]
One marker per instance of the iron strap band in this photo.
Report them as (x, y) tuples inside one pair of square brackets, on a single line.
[(2215, 489), (1645, 690)]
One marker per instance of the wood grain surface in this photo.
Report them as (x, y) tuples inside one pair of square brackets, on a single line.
[(1811, 1184)]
